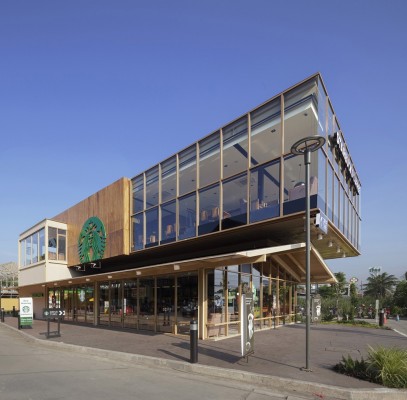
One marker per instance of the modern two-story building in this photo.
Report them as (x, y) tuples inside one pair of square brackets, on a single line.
[(185, 238)]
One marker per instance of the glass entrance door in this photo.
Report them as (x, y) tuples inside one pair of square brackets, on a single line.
[(165, 304), (187, 301)]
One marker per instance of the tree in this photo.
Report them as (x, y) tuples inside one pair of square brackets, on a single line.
[(353, 295), (380, 285), (400, 295), (339, 286)]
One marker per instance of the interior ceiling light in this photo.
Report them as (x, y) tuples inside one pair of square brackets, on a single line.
[(177, 267), (343, 255), (330, 244), (138, 273), (338, 249), (320, 236)]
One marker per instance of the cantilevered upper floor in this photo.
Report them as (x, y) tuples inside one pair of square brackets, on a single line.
[(243, 175)]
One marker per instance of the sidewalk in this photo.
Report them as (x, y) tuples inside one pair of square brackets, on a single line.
[(277, 361)]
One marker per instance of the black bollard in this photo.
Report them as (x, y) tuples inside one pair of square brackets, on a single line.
[(193, 332)]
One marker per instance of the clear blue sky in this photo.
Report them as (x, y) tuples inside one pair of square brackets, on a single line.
[(91, 91)]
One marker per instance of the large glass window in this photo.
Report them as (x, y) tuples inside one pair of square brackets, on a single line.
[(209, 210), (336, 201), (42, 249), (104, 303), (168, 222), (234, 291), (152, 187), (187, 300), (256, 290), (147, 305), (217, 304), (329, 142), (116, 304), (52, 243), (321, 109), (187, 170), (61, 244), (266, 133), (34, 255), (138, 231), (235, 148), (165, 303), (187, 216), (138, 194), (321, 180), (28, 250), (152, 227), (329, 192), (130, 303), (294, 183), (265, 192), (209, 160), (168, 179), (300, 113), (235, 202)]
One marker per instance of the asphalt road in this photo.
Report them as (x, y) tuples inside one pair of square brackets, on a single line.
[(30, 371)]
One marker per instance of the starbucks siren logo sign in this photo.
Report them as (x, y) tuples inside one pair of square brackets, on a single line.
[(92, 240)]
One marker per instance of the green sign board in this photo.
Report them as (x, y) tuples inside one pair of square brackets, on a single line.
[(26, 311)]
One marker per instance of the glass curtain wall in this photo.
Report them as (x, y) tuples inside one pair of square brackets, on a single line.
[(209, 160), (265, 192), (238, 171), (273, 297), (209, 210)]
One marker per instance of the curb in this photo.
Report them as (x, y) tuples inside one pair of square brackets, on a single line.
[(283, 385)]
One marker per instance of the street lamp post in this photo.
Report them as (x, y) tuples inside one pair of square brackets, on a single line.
[(305, 147)]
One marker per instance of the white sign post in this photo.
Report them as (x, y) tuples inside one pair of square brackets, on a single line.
[(26, 311)]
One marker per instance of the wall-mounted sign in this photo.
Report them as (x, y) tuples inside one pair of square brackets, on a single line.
[(26, 311), (321, 222), (37, 295), (338, 141), (92, 240)]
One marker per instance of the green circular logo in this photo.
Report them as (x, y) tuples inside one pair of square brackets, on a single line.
[(92, 240)]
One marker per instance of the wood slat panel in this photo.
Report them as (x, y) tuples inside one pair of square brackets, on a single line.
[(112, 206)]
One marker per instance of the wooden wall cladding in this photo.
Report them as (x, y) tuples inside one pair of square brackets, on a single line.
[(112, 206)]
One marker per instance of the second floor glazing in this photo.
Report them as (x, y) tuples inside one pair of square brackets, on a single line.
[(244, 173)]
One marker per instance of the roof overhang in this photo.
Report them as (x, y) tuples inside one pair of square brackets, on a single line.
[(291, 257)]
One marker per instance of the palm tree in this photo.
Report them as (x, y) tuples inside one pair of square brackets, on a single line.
[(380, 285)]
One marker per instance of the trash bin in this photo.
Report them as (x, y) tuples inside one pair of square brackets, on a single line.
[(381, 318)]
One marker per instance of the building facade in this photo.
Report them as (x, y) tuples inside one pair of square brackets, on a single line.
[(185, 238)]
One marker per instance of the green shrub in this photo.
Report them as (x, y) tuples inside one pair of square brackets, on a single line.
[(386, 366), (355, 368), (389, 366)]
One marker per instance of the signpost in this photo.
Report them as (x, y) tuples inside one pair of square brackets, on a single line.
[(26, 312), (247, 324), (53, 313)]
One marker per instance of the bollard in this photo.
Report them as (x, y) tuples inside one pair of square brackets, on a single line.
[(2, 315), (193, 333), (381, 318), (19, 321)]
